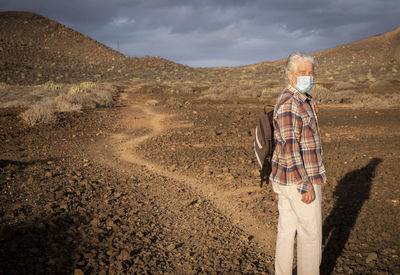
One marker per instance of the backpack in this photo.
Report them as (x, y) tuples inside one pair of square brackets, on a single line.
[(264, 144)]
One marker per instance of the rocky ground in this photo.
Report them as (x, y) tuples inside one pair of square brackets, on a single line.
[(156, 187)]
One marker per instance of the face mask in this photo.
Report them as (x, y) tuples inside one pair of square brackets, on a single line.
[(304, 83)]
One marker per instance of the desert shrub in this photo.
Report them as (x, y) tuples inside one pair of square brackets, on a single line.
[(376, 101), (273, 82), (84, 87), (394, 99), (52, 86), (381, 83), (249, 92), (215, 96), (88, 94), (271, 92), (88, 85), (223, 89), (171, 91), (185, 89), (76, 89), (136, 80), (38, 114), (218, 93), (4, 86), (103, 98), (65, 106), (100, 98), (175, 101), (20, 96), (370, 101), (323, 95), (214, 90), (14, 104), (342, 85)]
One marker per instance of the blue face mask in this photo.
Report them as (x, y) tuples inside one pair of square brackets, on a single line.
[(304, 83)]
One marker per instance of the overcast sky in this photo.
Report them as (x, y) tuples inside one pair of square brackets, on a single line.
[(208, 33)]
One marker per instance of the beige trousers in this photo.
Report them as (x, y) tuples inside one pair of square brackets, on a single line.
[(305, 219)]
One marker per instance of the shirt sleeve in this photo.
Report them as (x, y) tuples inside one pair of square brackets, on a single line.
[(290, 124)]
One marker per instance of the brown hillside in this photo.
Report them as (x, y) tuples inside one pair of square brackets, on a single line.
[(368, 60), (35, 49), (362, 62)]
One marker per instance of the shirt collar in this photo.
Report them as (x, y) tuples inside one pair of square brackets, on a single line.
[(303, 97)]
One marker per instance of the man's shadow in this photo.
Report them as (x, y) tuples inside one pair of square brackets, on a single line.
[(352, 191)]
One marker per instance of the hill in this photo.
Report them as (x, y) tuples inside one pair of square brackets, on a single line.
[(362, 62), (368, 60), (35, 49)]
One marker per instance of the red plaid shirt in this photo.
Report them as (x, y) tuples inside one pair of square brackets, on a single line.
[(297, 156)]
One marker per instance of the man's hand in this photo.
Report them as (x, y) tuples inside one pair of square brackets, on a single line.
[(308, 197)]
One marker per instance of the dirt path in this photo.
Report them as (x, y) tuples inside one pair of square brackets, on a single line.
[(141, 115)]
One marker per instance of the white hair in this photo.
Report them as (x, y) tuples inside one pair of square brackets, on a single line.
[(291, 63)]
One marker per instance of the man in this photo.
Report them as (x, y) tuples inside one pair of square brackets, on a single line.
[(297, 170)]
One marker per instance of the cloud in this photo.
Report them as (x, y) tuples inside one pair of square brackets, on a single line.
[(223, 32)]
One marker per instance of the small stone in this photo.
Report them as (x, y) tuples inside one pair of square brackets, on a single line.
[(48, 174), (371, 257), (94, 222), (59, 194), (256, 172), (30, 180), (386, 235), (124, 255), (78, 272), (110, 223), (109, 252)]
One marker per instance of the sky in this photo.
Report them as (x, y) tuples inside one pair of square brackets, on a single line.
[(214, 33)]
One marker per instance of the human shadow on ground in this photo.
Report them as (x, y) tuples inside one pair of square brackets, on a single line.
[(352, 191), (45, 246)]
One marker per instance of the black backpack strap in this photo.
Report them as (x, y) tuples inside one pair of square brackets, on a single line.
[(266, 168)]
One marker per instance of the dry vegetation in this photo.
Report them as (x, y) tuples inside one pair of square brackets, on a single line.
[(66, 56), (43, 102)]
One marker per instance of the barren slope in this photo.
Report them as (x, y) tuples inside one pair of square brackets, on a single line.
[(35, 49)]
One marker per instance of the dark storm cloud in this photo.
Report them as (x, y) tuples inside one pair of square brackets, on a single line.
[(220, 32)]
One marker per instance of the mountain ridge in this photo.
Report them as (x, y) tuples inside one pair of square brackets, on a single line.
[(35, 49)]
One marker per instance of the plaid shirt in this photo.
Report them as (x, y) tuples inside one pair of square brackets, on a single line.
[(297, 156)]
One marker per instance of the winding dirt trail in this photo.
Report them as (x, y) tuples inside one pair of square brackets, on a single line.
[(123, 148)]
